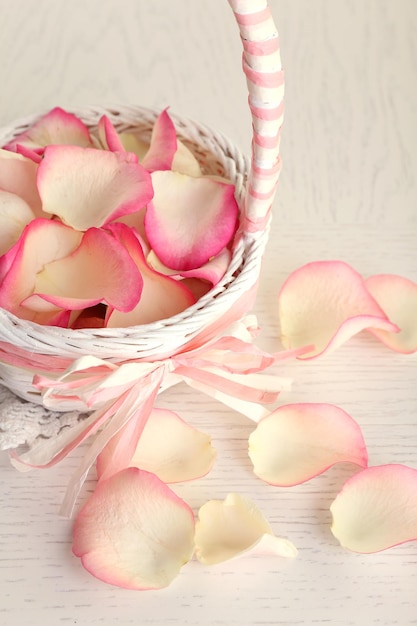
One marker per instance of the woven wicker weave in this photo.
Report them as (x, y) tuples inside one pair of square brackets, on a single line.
[(255, 185)]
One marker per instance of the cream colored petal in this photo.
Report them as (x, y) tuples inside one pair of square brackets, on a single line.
[(233, 528)]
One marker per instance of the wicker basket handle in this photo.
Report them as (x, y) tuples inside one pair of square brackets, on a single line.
[(265, 80)]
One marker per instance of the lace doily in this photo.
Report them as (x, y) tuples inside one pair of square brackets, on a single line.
[(22, 422)]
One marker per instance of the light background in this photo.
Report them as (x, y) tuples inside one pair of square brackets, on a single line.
[(348, 191)]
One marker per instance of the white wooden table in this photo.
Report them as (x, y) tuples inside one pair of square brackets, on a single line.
[(348, 191)]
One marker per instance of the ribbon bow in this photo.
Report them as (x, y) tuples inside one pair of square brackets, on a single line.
[(122, 396)]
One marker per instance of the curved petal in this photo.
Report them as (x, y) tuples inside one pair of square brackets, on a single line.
[(233, 528), (325, 303), (132, 144), (99, 270), (212, 271), (162, 297), (55, 128), (185, 162), (397, 296), (109, 136), (15, 213), (98, 185), (163, 144), (299, 441), (183, 453), (18, 176), (376, 509), (134, 532), (189, 219), (41, 242)]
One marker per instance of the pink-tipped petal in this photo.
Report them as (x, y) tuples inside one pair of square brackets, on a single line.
[(189, 219), (299, 441), (41, 242), (55, 128), (131, 143), (163, 144), (162, 297), (397, 296), (28, 153), (324, 304), (234, 528), (376, 509), (15, 213), (212, 271), (99, 270), (87, 187), (183, 453), (134, 532), (109, 136), (18, 176), (185, 162)]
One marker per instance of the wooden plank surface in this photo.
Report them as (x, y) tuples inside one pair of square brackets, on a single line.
[(348, 191)]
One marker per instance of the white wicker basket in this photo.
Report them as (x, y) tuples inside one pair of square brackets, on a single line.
[(255, 186)]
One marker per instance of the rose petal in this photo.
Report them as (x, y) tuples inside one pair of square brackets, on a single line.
[(212, 271), (299, 441), (42, 241), (376, 509), (185, 162), (397, 296), (134, 532), (18, 176), (162, 297), (189, 219), (87, 187), (15, 213), (233, 528), (28, 153), (183, 453), (324, 304), (109, 136), (163, 144), (131, 143), (56, 127), (99, 270)]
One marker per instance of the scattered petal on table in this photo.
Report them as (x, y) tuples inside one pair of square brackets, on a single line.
[(134, 532), (234, 528), (397, 296), (189, 219), (182, 453), (325, 303), (98, 187), (299, 441), (376, 509), (58, 127)]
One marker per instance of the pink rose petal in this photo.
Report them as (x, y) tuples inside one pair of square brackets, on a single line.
[(162, 297), (376, 509), (325, 303), (14, 215), (189, 219), (87, 187), (99, 270), (183, 453), (18, 176), (299, 441), (56, 127), (212, 271), (185, 162), (134, 532), (397, 296), (41, 242), (163, 144), (109, 136)]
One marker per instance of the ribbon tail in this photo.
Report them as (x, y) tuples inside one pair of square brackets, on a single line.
[(137, 402)]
